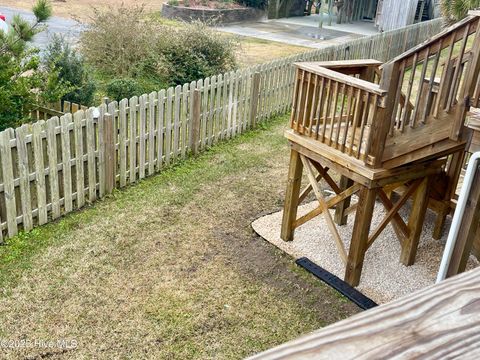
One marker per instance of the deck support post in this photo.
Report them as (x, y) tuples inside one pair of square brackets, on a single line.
[(361, 228), (340, 216), (415, 223), (453, 175), (291, 196)]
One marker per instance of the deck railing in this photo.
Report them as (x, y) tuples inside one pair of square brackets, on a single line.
[(439, 81), (410, 108), (338, 105)]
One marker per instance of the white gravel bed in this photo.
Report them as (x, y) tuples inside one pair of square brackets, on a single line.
[(383, 278)]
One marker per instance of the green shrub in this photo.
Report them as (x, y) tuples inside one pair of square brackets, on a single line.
[(154, 54), (196, 51), (118, 42), (124, 88), (71, 70), (173, 2)]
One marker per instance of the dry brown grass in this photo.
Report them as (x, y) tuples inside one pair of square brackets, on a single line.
[(256, 51), (169, 268)]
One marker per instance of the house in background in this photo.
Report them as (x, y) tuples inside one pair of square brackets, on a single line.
[(386, 14), (393, 14)]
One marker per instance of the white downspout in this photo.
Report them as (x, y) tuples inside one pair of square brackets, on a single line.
[(458, 215)]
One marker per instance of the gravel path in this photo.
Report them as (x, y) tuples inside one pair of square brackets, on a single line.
[(383, 277)]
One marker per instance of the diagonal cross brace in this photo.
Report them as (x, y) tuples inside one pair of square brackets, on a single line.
[(392, 214), (324, 207)]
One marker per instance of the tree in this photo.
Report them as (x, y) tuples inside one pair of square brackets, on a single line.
[(22, 81), (455, 10), (70, 65)]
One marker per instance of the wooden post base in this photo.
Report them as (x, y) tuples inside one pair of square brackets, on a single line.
[(415, 182)]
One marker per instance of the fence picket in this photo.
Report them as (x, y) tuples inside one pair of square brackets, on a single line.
[(52, 166), (192, 89), (160, 127), (184, 120), (122, 141), (203, 133), (79, 162), (230, 104), (211, 110), (38, 151), (168, 126), (91, 156), (8, 181), (224, 126), (113, 110), (235, 103), (101, 150), (151, 132), (176, 124), (24, 176), (142, 136), (66, 166), (132, 145), (218, 109)]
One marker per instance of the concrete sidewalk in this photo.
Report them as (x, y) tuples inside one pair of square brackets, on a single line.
[(291, 34)]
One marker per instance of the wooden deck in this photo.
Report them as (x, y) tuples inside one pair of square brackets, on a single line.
[(438, 322)]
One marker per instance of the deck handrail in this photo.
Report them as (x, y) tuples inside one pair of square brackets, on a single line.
[(340, 110), (344, 79)]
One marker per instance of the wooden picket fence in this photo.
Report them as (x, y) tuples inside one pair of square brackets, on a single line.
[(50, 168)]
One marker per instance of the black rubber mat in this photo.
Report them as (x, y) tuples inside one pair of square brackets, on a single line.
[(338, 284)]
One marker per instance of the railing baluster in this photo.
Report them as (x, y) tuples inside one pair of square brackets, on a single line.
[(409, 89), (364, 121), (457, 74), (413, 120), (356, 118), (327, 109), (347, 120), (340, 114), (320, 106), (428, 101), (333, 111)]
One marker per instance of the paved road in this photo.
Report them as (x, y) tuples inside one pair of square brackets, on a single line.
[(68, 28)]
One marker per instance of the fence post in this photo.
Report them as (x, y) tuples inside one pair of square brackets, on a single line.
[(254, 99), (196, 121), (109, 151)]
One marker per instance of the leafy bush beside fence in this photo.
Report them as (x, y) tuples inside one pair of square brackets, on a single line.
[(52, 167)]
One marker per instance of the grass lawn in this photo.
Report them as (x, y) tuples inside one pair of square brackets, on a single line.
[(254, 51), (168, 268)]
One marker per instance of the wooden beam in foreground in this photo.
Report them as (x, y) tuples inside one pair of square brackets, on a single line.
[(439, 321)]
